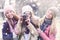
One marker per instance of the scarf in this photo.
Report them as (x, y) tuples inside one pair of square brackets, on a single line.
[(44, 25)]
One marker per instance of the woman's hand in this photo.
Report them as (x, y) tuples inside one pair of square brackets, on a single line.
[(20, 19), (28, 20), (39, 30)]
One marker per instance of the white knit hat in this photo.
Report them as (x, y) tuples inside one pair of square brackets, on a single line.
[(27, 8)]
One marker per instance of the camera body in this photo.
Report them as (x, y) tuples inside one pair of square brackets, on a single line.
[(24, 23)]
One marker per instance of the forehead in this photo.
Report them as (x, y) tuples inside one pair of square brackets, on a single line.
[(27, 12), (8, 11)]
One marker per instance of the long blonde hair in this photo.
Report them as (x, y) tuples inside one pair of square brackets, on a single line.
[(53, 25)]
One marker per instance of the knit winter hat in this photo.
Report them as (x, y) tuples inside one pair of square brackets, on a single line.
[(27, 8)]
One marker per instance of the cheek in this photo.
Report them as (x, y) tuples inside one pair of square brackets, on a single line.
[(50, 16), (7, 15), (11, 16), (47, 15), (29, 16)]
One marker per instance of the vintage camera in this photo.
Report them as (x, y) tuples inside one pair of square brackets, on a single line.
[(24, 23)]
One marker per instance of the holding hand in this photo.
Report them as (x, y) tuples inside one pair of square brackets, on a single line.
[(28, 20), (39, 30)]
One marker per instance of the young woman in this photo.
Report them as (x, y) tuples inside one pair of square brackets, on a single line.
[(9, 25), (31, 33), (47, 30)]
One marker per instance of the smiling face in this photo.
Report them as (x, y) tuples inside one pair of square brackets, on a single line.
[(49, 14), (9, 14)]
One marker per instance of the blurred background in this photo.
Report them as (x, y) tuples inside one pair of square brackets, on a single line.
[(39, 7)]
